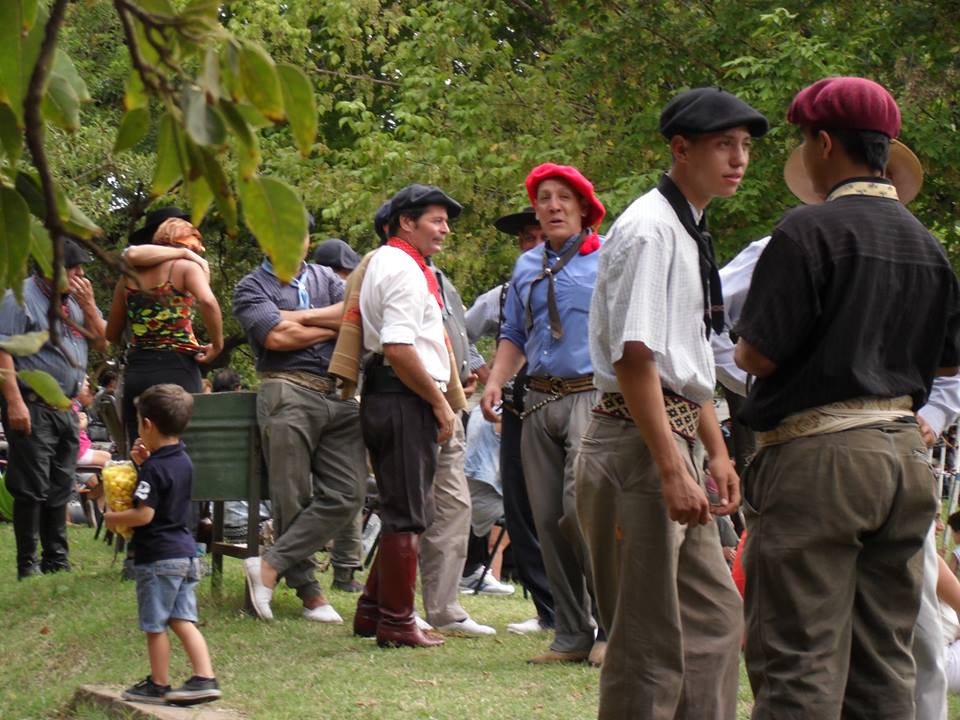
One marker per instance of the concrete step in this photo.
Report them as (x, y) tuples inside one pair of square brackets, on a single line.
[(108, 699)]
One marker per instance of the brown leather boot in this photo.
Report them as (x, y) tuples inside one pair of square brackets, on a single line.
[(398, 584), (368, 606)]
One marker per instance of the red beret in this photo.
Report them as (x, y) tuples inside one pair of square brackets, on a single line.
[(576, 180), (846, 103)]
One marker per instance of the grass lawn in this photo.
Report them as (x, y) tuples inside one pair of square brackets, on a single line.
[(70, 629)]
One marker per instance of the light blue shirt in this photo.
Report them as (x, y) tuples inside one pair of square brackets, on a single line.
[(570, 355)]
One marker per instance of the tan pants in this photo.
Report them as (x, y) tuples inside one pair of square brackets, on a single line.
[(549, 446), (672, 612), (833, 572), (443, 547)]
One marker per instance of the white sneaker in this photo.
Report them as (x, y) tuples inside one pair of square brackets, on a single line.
[(421, 623), (489, 586), (527, 627), (468, 627), (260, 594), (323, 613)]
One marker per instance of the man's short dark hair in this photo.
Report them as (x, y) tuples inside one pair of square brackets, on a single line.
[(414, 213), (226, 380), (107, 376), (954, 522), (167, 406), (865, 147)]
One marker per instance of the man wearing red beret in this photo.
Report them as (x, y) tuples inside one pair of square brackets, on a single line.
[(663, 588), (853, 310), (545, 324)]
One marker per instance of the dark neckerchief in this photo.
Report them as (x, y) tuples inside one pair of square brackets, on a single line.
[(548, 272), (709, 272)]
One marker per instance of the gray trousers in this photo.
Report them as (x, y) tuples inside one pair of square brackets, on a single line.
[(348, 544), (316, 469), (549, 446), (443, 547), (833, 568), (665, 594)]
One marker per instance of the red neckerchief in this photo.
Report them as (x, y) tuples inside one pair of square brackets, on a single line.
[(590, 244), (432, 286), (47, 291)]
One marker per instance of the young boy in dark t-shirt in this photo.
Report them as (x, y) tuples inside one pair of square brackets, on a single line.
[(164, 550)]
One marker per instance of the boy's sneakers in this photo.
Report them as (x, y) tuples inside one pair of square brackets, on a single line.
[(195, 690), (147, 691)]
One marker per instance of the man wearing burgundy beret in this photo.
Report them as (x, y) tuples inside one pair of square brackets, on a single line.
[(853, 310)]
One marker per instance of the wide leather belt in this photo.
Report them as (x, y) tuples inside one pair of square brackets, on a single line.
[(683, 414), (562, 386)]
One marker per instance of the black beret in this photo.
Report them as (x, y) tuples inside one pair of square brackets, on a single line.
[(709, 109), (336, 254), (419, 195), (154, 219), (381, 218), (73, 254)]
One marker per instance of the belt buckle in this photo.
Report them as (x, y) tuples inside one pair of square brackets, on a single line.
[(558, 386)]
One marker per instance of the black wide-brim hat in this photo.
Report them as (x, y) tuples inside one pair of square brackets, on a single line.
[(514, 223), (153, 220)]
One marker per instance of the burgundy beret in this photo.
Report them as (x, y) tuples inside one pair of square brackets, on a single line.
[(846, 103)]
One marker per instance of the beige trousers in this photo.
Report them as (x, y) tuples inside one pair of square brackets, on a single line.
[(665, 595), (443, 547)]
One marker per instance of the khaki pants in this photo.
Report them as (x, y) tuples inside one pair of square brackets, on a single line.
[(316, 469), (443, 547), (833, 572), (666, 598), (549, 446)]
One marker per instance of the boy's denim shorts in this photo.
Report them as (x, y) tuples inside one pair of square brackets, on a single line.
[(165, 591)]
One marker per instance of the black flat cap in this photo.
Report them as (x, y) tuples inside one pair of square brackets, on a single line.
[(336, 254), (153, 220), (514, 223), (381, 218), (419, 195), (73, 254), (709, 109)]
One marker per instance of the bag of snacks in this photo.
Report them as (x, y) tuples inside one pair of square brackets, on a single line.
[(119, 482)]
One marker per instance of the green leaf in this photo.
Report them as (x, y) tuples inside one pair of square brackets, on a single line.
[(10, 136), (41, 249), (198, 191), (210, 78), (133, 128), (203, 123), (63, 65), (260, 82), (11, 72), (134, 94), (61, 106), (167, 171), (248, 155), (28, 186), (209, 9), (75, 221), (254, 117), (301, 108), (29, 13), (14, 239), (276, 216), (26, 344), (46, 387), (220, 186)]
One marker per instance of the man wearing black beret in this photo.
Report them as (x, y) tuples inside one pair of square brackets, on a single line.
[(406, 408), (673, 648), (853, 309)]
